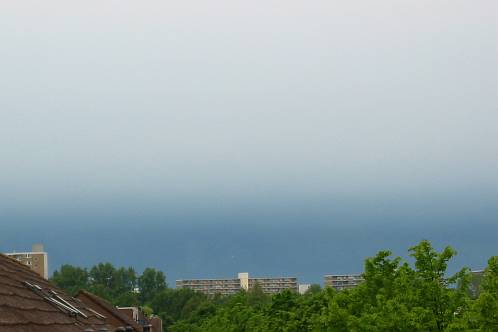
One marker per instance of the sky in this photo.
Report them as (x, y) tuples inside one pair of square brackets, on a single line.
[(281, 136)]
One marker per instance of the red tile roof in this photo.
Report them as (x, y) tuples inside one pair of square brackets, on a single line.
[(29, 303)]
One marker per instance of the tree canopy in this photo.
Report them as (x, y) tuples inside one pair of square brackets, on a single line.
[(397, 295)]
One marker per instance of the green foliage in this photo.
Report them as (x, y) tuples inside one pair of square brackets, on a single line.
[(127, 299), (395, 296), (117, 285), (148, 311), (256, 297), (486, 306), (71, 278), (178, 304), (314, 289), (151, 282)]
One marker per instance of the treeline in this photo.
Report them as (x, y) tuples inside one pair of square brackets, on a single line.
[(395, 296), (121, 286)]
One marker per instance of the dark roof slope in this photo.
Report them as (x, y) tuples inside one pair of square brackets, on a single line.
[(105, 308), (29, 303)]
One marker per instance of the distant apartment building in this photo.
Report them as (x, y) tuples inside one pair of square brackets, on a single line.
[(242, 282), (475, 283), (36, 259), (343, 281)]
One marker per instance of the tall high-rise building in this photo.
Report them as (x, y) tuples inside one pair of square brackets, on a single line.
[(36, 259), (342, 281), (242, 282)]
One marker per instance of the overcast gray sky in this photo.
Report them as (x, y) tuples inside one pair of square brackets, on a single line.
[(219, 103)]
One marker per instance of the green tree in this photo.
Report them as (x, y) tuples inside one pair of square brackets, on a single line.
[(150, 283), (126, 299), (256, 297), (103, 275), (71, 278), (487, 303), (444, 296), (125, 280), (313, 289), (115, 285), (173, 302)]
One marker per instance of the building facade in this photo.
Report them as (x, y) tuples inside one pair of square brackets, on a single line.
[(36, 259), (303, 288), (475, 283), (342, 281), (242, 282)]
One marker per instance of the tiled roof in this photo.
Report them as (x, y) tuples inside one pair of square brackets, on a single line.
[(104, 307), (29, 303)]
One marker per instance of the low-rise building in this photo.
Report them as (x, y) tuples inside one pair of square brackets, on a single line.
[(36, 259), (242, 282), (342, 281)]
